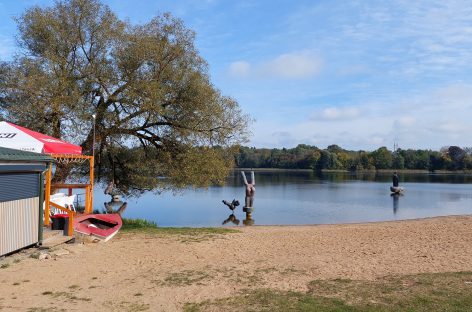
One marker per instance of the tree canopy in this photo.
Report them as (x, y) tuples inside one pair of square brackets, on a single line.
[(303, 156), (156, 111)]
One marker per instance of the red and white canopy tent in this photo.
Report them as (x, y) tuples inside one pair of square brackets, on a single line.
[(20, 138), (16, 137)]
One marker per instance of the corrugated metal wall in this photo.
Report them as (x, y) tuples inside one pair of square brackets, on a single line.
[(14, 186), (19, 226)]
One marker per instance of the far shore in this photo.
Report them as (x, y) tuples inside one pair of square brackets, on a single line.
[(163, 270), (383, 171)]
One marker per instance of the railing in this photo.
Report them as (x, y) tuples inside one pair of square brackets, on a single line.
[(88, 193), (70, 214)]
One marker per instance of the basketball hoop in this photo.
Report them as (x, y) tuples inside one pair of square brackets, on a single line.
[(67, 160)]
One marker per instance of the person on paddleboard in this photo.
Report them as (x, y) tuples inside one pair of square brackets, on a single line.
[(395, 179)]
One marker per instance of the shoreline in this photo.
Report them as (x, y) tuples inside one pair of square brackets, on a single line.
[(164, 270), (381, 171), (236, 227), (332, 224)]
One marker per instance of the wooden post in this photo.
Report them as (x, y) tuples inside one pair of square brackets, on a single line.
[(47, 196)]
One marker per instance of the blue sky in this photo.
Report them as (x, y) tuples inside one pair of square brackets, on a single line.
[(360, 74)]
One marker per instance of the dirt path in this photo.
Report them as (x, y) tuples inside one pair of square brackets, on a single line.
[(139, 272)]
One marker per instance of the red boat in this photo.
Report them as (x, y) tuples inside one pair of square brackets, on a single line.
[(101, 226)]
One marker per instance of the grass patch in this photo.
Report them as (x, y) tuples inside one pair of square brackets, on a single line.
[(184, 278), (414, 293), (419, 292), (137, 224), (270, 300), (35, 255), (49, 309), (134, 306), (65, 295), (4, 265), (292, 270), (127, 306), (140, 225), (185, 234)]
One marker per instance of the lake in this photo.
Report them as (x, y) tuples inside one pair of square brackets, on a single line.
[(303, 197)]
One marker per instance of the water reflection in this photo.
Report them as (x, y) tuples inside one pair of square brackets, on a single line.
[(287, 177), (115, 206), (454, 197), (396, 199), (249, 220), (232, 218)]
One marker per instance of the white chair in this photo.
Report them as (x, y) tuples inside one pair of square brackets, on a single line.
[(65, 201), (53, 197), (57, 195), (62, 200)]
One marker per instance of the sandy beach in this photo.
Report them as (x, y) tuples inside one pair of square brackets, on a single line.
[(146, 272)]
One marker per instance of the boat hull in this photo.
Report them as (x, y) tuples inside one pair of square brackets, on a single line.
[(101, 226)]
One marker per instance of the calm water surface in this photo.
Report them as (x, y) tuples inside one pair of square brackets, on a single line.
[(295, 197)]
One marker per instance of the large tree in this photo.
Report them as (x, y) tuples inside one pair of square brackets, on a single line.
[(157, 112)]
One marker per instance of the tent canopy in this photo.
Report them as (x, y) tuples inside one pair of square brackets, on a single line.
[(16, 137)]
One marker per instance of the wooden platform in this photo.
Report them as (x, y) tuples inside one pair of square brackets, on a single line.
[(52, 238)]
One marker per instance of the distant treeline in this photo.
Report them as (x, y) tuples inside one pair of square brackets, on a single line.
[(336, 158)]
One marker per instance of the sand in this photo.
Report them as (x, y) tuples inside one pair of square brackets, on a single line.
[(139, 272)]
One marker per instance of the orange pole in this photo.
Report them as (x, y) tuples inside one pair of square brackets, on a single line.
[(47, 195), (70, 228), (87, 201), (92, 165)]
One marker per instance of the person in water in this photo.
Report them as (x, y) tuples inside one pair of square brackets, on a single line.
[(395, 179)]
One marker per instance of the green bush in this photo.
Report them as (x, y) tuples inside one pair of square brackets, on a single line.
[(135, 224)]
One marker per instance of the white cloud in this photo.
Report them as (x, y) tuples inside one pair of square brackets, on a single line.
[(282, 138), (451, 127), (430, 120), (239, 69), (292, 66), (405, 121), (336, 113), (414, 37), (296, 65)]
